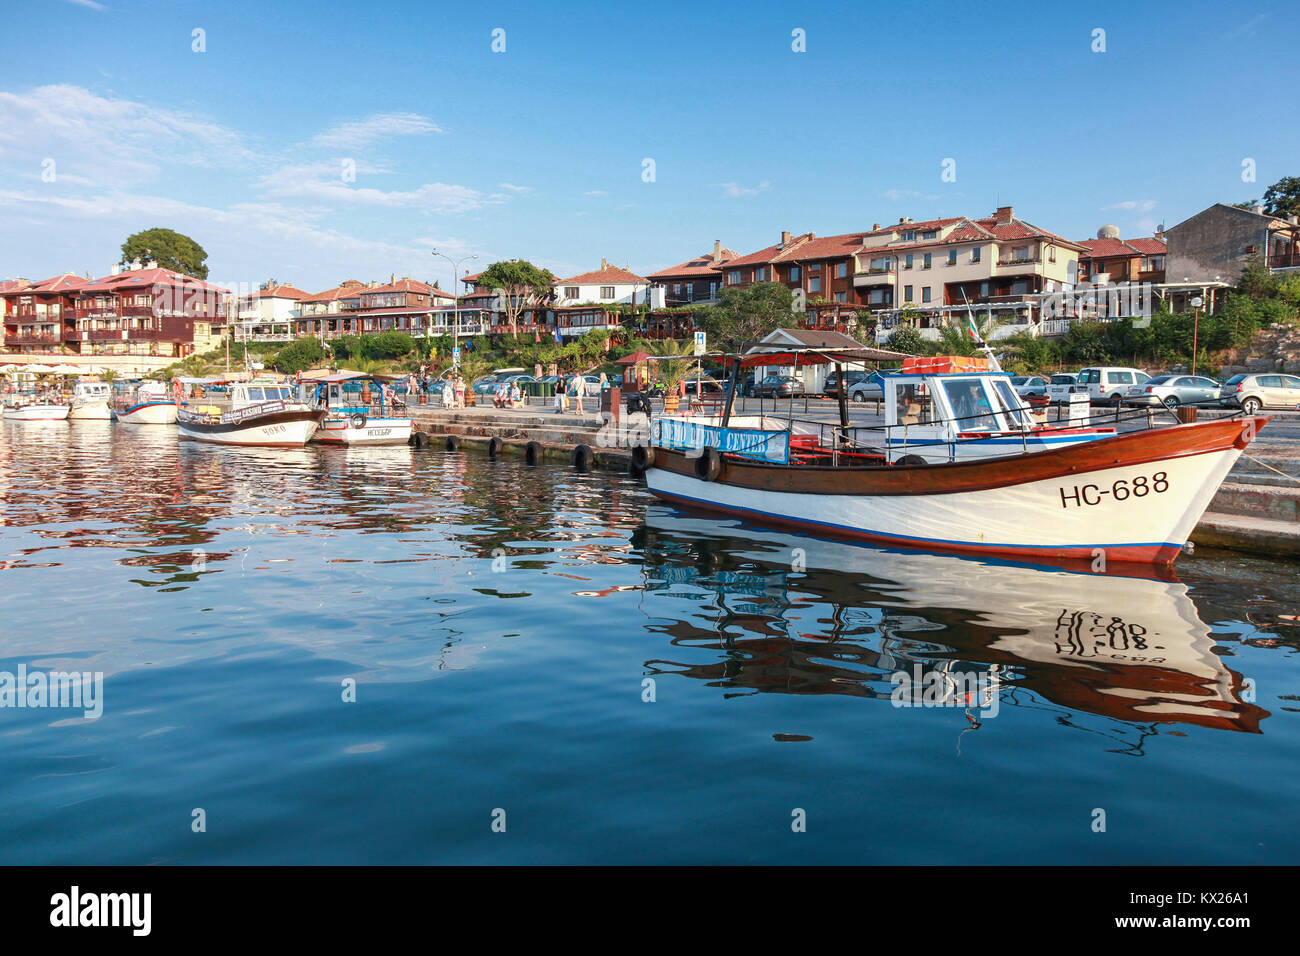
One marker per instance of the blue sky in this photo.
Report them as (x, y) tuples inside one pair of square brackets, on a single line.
[(538, 151)]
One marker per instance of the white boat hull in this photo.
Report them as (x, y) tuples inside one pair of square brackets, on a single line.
[(1096, 513), (37, 413), (277, 433), (339, 430), (97, 411), (149, 413)]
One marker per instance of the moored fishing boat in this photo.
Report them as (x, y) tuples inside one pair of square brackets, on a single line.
[(90, 402), (360, 410), (38, 411), (257, 414), (147, 403), (1112, 496)]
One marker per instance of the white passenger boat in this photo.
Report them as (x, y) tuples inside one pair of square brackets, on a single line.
[(148, 403), (256, 414), (360, 410), (90, 402), (1021, 490)]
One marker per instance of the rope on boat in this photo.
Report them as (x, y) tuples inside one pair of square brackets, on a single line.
[(1270, 467)]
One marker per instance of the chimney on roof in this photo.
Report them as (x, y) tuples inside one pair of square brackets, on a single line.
[(785, 238), (875, 226), (151, 264), (116, 270), (717, 250), (1257, 209), (1004, 214), (603, 264)]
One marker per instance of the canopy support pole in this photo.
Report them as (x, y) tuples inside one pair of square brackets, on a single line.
[(842, 398), (731, 392)]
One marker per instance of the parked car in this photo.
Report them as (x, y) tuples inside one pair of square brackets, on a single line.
[(708, 388), (831, 387), (1174, 390), (869, 389), (1061, 386), (1253, 392), (779, 386), (487, 385), (1107, 384), (1027, 385)]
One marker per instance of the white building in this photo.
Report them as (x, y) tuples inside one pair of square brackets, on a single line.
[(608, 285)]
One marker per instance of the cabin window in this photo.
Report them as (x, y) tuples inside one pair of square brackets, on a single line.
[(1012, 403), (913, 405), (970, 404)]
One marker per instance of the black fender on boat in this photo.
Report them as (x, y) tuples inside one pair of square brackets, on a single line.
[(495, 445), (709, 465), (533, 453), (453, 443), (643, 458)]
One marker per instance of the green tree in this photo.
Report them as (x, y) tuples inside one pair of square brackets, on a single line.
[(298, 356), (743, 316), (519, 283), (907, 339), (1283, 197), (169, 249)]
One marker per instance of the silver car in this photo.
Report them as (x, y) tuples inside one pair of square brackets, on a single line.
[(1253, 392), (1060, 387), (1026, 385), (1174, 390)]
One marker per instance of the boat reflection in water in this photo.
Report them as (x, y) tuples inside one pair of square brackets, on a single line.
[(802, 615)]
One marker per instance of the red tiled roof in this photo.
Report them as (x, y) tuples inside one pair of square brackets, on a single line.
[(343, 290), (136, 278), (762, 257), (827, 247), (611, 275), (1106, 249), (699, 266), (67, 282), (282, 291), (1149, 246)]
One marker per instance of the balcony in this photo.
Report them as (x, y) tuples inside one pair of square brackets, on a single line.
[(1014, 264), (875, 277), (31, 338), (1284, 260)]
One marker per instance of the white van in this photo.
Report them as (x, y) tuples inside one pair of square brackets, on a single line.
[(1105, 384)]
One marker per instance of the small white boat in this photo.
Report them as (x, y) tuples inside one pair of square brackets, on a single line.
[(149, 403), (36, 412), (258, 414), (358, 413), (90, 402)]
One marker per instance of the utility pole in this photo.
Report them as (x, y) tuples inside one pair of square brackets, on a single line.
[(455, 301)]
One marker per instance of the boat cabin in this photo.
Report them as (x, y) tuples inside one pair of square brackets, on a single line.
[(92, 392), (257, 393)]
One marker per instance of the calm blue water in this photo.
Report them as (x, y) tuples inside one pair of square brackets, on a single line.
[(504, 626)]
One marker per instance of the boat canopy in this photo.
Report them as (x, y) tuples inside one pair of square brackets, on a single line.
[(763, 356)]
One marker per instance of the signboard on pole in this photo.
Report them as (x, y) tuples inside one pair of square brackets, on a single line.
[(700, 347), (455, 355)]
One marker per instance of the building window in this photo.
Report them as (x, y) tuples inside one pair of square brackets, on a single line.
[(841, 270), (927, 263), (713, 290), (925, 294), (607, 292), (909, 236), (907, 293), (677, 288), (952, 257), (932, 234), (1051, 253), (571, 292), (907, 261), (734, 277), (975, 254), (794, 273), (1019, 287), (814, 284), (1021, 254), (815, 267), (876, 297), (984, 290), (841, 297), (760, 274)]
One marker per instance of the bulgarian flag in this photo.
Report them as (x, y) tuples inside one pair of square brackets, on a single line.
[(974, 329)]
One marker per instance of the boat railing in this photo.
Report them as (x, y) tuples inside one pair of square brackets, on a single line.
[(911, 436)]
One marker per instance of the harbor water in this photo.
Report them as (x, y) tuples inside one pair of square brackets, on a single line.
[(392, 655)]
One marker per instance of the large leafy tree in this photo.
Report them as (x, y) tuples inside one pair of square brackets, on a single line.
[(1283, 197), (519, 283), (169, 249), (743, 316)]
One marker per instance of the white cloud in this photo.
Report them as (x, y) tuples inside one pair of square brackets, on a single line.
[(595, 192), (1132, 205), (516, 189), (107, 140), (896, 194), (323, 182), (736, 191), (88, 3), (357, 133)]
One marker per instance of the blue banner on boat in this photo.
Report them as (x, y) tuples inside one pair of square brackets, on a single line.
[(770, 446)]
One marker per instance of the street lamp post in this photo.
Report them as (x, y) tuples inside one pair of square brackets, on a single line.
[(455, 302), (1196, 321)]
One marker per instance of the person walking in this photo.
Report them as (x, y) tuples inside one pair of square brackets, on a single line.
[(579, 389), (460, 392), (448, 393)]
